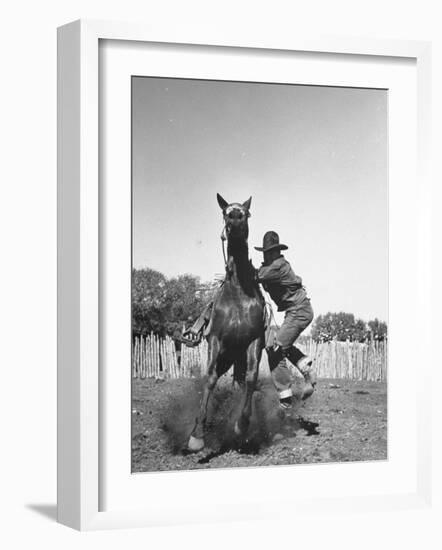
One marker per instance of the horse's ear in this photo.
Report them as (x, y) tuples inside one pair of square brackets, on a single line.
[(247, 203), (222, 203)]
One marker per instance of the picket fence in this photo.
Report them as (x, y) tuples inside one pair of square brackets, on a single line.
[(354, 360), (154, 357)]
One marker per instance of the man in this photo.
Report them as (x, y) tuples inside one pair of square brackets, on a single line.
[(286, 290)]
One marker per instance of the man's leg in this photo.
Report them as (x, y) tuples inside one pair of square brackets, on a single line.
[(297, 320), (279, 371), (304, 364), (281, 377)]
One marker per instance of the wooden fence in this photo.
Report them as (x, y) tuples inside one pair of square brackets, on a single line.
[(154, 357), (355, 360)]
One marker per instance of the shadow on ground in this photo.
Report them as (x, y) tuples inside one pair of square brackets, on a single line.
[(49, 511)]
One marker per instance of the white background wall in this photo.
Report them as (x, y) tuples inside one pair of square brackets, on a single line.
[(28, 272)]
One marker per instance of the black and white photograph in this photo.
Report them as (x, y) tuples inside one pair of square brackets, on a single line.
[(220, 284), (259, 274)]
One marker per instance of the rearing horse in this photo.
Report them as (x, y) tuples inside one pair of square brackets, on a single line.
[(236, 329)]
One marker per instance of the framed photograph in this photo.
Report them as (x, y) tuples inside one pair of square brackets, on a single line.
[(243, 244)]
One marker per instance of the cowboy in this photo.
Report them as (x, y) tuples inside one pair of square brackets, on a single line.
[(286, 290)]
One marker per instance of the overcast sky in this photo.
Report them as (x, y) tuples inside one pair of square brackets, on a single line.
[(314, 159)]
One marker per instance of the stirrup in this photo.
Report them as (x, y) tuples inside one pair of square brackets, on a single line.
[(191, 342)]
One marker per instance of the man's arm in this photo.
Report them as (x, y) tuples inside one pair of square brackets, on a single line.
[(268, 273)]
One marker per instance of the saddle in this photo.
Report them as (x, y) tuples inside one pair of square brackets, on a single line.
[(193, 336)]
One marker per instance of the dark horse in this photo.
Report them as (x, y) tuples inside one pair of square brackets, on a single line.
[(236, 329)]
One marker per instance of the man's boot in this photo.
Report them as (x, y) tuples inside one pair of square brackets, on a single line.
[(304, 364), (281, 377)]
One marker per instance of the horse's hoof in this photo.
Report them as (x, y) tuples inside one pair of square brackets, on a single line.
[(195, 444)]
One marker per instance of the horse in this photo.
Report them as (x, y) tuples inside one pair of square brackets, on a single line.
[(236, 330)]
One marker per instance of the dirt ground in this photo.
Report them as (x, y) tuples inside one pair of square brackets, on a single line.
[(343, 421)]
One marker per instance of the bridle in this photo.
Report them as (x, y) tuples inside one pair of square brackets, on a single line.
[(223, 235)]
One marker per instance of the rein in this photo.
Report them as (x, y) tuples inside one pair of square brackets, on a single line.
[(223, 245)]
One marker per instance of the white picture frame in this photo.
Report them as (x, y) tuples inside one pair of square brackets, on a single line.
[(79, 463)]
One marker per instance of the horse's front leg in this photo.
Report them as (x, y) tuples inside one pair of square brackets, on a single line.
[(253, 358), (196, 439)]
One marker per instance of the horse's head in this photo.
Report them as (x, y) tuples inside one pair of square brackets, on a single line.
[(236, 217)]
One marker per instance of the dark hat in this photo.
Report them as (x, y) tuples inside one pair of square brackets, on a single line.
[(271, 241)]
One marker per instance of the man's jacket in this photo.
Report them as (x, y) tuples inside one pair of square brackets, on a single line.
[(283, 285)]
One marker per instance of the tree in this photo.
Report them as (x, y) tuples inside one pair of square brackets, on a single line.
[(182, 301), (163, 305), (147, 300), (343, 326), (377, 329), (339, 326)]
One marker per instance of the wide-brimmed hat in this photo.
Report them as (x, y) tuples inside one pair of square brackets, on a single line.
[(270, 241)]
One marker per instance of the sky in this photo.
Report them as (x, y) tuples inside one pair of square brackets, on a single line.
[(314, 159)]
